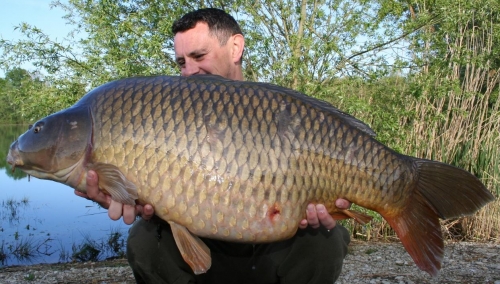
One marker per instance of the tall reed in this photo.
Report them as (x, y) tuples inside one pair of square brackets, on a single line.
[(458, 117), (448, 112)]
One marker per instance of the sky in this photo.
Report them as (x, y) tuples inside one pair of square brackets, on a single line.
[(34, 12)]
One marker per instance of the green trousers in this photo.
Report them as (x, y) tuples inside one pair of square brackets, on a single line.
[(311, 256)]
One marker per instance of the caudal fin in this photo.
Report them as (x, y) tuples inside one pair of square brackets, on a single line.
[(442, 191)]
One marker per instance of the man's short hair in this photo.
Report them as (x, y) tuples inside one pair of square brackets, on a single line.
[(220, 23)]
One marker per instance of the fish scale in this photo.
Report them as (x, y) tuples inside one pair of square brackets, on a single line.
[(240, 161)]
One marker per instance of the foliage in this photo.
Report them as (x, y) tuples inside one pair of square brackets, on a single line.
[(114, 39), (423, 74), (86, 252), (450, 108), (457, 108), (306, 43), (10, 209), (30, 277), (25, 249), (95, 250), (379, 103), (26, 97)]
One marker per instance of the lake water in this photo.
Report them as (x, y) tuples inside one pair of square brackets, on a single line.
[(45, 217)]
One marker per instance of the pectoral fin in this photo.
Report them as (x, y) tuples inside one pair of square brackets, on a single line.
[(358, 216), (194, 251), (113, 181)]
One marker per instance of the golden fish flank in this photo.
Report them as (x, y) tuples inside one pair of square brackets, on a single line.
[(240, 161)]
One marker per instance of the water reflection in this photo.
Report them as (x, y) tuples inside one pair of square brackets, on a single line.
[(45, 222), (9, 135), (11, 208)]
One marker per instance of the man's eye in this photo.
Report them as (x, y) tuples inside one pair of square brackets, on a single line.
[(199, 56)]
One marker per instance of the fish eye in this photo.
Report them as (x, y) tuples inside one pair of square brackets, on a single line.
[(38, 127)]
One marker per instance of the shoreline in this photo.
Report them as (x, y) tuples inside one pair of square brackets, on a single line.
[(366, 262)]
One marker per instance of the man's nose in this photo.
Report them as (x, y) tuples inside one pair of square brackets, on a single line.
[(190, 69)]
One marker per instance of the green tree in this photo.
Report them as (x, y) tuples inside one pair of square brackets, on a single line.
[(16, 76), (25, 97), (303, 43), (292, 43), (5, 109), (424, 74), (15, 80)]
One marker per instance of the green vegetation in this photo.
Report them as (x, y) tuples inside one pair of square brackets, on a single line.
[(424, 74), (3, 253), (31, 248), (10, 209), (29, 277), (26, 246), (94, 250)]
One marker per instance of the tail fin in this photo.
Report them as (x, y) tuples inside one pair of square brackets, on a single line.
[(442, 191), (453, 192)]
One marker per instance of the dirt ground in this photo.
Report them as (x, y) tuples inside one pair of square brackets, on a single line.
[(366, 263)]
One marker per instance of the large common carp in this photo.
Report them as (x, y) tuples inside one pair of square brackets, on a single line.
[(240, 161)]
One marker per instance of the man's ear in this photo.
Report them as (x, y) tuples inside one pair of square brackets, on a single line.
[(237, 48)]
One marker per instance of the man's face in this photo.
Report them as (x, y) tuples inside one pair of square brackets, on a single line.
[(198, 52)]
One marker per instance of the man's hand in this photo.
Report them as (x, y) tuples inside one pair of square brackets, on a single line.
[(317, 216), (115, 208)]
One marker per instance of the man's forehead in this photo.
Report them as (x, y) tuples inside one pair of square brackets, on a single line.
[(193, 44), (199, 32)]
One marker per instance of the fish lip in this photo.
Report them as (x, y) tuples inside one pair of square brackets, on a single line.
[(13, 157), (15, 163)]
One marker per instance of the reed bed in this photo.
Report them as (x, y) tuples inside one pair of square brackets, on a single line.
[(449, 113)]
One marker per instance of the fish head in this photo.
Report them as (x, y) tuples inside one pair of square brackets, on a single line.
[(55, 146)]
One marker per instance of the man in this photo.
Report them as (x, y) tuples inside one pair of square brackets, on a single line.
[(209, 41)]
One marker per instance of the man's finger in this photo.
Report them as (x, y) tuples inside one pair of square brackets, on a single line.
[(93, 191), (324, 218), (342, 203), (129, 214), (312, 216), (115, 210), (148, 212), (303, 224), (92, 178)]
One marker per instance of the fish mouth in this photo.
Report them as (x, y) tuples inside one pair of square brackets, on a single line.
[(13, 157), (19, 160)]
